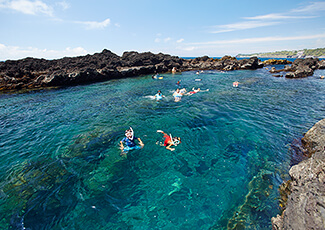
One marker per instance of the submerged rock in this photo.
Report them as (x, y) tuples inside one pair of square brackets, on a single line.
[(39, 194), (255, 205), (305, 208)]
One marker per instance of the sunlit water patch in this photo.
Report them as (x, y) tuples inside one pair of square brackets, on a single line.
[(62, 169)]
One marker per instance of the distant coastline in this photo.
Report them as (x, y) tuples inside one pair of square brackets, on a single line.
[(305, 53)]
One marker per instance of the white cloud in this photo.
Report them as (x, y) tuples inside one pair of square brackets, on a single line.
[(28, 7), (242, 26), (158, 39), (272, 19), (261, 39), (65, 5), (180, 40), (276, 17), (95, 25), (312, 8), (189, 48), (167, 39), (15, 52)]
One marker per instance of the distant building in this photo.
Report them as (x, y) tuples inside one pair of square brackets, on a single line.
[(300, 54)]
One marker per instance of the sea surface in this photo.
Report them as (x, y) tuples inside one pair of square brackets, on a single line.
[(61, 167)]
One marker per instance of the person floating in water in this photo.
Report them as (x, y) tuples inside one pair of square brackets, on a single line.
[(159, 95), (182, 91), (169, 140), (194, 91), (129, 141), (235, 84), (178, 83), (177, 95), (156, 76)]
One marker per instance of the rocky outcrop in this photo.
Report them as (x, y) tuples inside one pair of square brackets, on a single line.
[(305, 208), (303, 68), (226, 63), (277, 62), (300, 67), (31, 73)]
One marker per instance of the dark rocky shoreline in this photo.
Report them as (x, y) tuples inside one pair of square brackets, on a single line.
[(33, 73), (305, 192)]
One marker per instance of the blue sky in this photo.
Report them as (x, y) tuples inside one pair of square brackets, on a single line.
[(54, 29)]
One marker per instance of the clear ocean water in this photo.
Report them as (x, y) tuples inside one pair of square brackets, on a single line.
[(61, 167)]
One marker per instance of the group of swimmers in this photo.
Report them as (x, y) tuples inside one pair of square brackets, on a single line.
[(128, 142), (179, 93)]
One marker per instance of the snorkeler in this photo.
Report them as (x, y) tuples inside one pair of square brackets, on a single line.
[(177, 95), (169, 140), (182, 91), (159, 95), (156, 76), (194, 91), (129, 141)]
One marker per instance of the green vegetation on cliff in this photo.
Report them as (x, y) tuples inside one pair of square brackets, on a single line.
[(284, 54)]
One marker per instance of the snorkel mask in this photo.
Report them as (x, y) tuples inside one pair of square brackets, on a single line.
[(129, 133), (176, 141)]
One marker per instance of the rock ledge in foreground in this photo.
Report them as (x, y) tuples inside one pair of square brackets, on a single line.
[(305, 208)]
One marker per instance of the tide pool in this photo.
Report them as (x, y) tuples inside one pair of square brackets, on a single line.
[(61, 167)]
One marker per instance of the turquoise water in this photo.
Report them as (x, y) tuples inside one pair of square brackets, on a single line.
[(61, 167)]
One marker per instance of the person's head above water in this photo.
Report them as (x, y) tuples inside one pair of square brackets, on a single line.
[(129, 133), (176, 140)]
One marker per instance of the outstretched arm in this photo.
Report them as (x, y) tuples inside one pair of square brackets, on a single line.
[(121, 145), (169, 147), (140, 142)]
